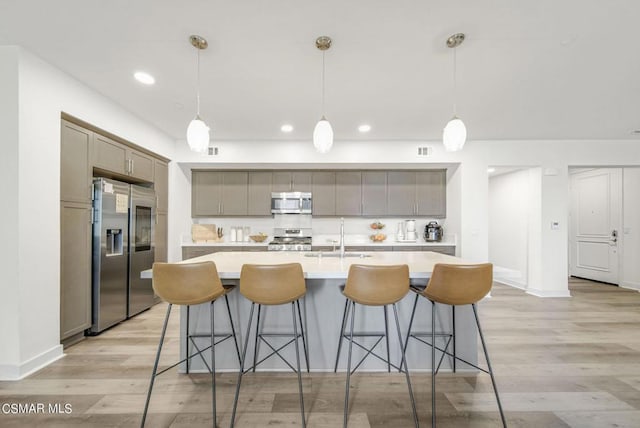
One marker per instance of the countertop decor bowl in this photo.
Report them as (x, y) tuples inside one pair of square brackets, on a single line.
[(378, 237), (258, 238)]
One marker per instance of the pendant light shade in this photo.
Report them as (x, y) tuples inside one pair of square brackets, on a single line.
[(454, 135), (198, 131), (323, 136), (198, 135), (323, 132)]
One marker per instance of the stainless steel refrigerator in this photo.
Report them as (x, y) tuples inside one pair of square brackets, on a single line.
[(123, 246)]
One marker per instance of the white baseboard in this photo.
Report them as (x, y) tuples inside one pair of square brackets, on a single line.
[(20, 371), (548, 293), (510, 283), (630, 285)]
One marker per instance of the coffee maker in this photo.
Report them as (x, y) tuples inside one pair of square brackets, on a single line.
[(433, 232)]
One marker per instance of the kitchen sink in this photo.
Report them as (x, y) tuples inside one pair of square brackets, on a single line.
[(321, 254)]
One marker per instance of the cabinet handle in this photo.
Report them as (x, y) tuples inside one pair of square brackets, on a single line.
[(92, 215), (131, 171)]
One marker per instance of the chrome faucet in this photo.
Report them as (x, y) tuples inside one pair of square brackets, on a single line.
[(341, 237)]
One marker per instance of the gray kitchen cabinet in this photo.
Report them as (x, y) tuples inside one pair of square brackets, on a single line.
[(446, 249), (234, 190), (378, 248), (218, 193), (431, 193), (75, 170), (161, 236), (259, 193), (348, 193), (197, 251), (254, 248), (323, 190), (401, 193), (374, 193), (408, 248), (141, 165), (161, 185), (109, 155), (291, 181), (75, 268), (205, 193)]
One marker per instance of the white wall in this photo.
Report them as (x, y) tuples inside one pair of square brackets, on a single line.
[(44, 92), (630, 277), (509, 207), (9, 214)]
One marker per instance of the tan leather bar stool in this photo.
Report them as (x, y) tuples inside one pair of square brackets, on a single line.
[(456, 285), (376, 286), (189, 284), (272, 285)]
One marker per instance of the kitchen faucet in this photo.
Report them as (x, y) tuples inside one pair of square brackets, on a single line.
[(341, 237)]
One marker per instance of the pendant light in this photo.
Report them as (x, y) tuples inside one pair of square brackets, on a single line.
[(323, 133), (455, 133), (198, 131)]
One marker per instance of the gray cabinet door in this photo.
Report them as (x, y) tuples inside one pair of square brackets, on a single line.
[(75, 171), (281, 181), (161, 185), (323, 190), (110, 155), (160, 254), (205, 193), (449, 250), (374, 193), (140, 165), (348, 193), (234, 193), (401, 193), (259, 197), (301, 181), (75, 268), (431, 191)]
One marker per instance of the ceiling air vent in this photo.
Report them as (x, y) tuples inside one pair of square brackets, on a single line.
[(425, 151)]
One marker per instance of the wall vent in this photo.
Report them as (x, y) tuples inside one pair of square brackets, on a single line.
[(425, 151), (213, 151)]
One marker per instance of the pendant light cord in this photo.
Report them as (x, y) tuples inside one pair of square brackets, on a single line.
[(322, 112), (455, 84), (198, 87)]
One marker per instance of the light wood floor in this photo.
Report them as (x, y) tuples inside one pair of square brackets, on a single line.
[(572, 362)]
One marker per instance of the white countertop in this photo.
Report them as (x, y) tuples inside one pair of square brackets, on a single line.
[(326, 241), (229, 264)]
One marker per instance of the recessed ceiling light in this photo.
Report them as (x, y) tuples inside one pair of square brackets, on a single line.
[(144, 78), (491, 170), (286, 128), (364, 128)]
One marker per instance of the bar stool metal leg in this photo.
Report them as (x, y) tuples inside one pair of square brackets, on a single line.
[(386, 336), (403, 365), (257, 343), (304, 340), (433, 364), (213, 365), (413, 313), (186, 340), (233, 330), (344, 322), (346, 395), (242, 360), (155, 364), (453, 333), (486, 355), (295, 341)]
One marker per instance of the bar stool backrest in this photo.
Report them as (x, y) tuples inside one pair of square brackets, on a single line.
[(272, 284), (377, 285), (459, 284), (187, 283)]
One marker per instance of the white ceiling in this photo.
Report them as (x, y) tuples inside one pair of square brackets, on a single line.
[(545, 69)]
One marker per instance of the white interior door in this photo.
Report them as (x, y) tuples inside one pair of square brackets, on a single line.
[(596, 207)]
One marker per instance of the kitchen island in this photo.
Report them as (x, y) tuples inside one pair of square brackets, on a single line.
[(322, 310)]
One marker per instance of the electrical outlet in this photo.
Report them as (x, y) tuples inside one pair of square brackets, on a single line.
[(425, 151)]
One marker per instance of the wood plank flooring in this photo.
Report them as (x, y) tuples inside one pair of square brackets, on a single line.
[(570, 362)]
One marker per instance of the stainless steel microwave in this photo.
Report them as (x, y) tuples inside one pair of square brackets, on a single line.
[(291, 203)]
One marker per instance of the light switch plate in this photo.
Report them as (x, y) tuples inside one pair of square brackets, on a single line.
[(555, 225)]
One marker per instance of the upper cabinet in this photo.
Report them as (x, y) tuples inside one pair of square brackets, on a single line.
[(335, 193), (114, 157), (161, 185), (291, 181), (75, 170), (219, 193)]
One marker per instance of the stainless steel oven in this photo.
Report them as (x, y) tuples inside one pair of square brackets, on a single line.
[(291, 203)]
